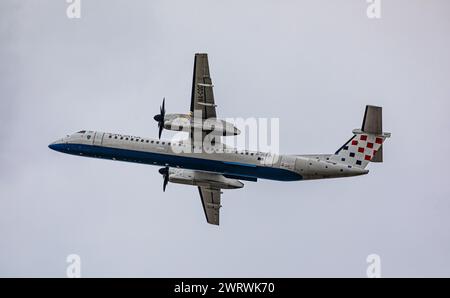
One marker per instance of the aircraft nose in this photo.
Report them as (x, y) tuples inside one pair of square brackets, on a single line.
[(55, 146), (52, 146)]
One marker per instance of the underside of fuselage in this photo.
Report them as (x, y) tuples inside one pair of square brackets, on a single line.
[(238, 170)]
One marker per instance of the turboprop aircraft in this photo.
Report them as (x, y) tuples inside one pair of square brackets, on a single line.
[(202, 160)]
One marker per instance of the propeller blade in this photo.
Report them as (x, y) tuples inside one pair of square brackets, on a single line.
[(160, 117), (160, 130), (166, 180), (165, 172)]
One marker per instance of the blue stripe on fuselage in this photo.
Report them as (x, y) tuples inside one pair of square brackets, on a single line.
[(193, 163)]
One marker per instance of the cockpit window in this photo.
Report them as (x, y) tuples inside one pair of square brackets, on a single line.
[(81, 131)]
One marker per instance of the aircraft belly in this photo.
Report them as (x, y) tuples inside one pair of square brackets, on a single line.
[(182, 161)]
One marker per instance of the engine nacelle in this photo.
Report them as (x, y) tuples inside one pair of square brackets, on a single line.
[(184, 122), (189, 177)]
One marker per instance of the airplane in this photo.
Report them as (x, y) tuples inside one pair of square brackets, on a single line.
[(189, 162)]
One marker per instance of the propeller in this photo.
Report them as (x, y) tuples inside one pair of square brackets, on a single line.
[(160, 118), (165, 172)]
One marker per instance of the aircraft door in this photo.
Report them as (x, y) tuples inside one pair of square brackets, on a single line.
[(98, 138)]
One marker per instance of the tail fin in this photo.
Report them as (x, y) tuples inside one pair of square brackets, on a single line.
[(366, 143), (373, 123)]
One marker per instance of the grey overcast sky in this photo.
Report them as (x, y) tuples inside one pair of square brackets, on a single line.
[(312, 64)]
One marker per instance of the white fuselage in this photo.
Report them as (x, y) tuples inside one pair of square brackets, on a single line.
[(230, 162)]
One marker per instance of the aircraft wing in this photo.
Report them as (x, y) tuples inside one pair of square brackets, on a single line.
[(202, 97), (211, 203)]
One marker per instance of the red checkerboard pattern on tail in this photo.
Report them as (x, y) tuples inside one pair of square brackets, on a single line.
[(359, 151)]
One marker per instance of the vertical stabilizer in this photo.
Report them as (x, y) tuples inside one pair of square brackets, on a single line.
[(366, 144)]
